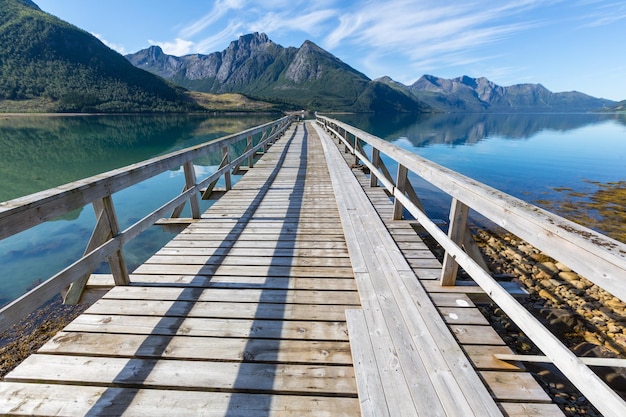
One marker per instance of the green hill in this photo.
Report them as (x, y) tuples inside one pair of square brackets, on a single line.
[(49, 65)]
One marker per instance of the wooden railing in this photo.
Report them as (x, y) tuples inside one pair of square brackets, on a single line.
[(107, 239), (598, 258)]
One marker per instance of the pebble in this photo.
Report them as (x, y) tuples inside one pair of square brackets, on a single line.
[(578, 308)]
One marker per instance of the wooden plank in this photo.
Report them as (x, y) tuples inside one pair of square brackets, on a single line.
[(381, 259), (199, 348), (287, 296), (484, 357), (176, 374), (210, 327), (561, 239), (369, 381), (462, 315), (240, 281), (531, 410), (475, 335), (71, 400), (451, 300), (515, 386), (271, 261), (253, 271), (222, 309), (253, 251)]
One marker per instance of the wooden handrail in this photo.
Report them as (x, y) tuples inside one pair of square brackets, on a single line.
[(600, 259), (29, 211), (597, 257)]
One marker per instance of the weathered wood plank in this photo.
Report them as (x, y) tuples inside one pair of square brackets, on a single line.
[(515, 386), (437, 373), (210, 327), (72, 400), (531, 410), (222, 309), (251, 295), (176, 374), (258, 271), (199, 348), (240, 281), (271, 261)]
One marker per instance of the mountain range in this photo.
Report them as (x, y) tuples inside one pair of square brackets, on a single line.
[(47, 64), (311, 77), (467, 94), (306, 77)]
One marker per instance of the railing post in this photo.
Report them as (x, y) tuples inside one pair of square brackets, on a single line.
[(456, 233), (226, 161), (376, 163), (401, 182), (190, 182), (251, 157), (106, 228), (356, 149)]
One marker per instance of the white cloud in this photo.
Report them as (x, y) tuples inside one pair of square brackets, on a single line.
[(176, 47), (217, 41), (114, 46), (428, 34), (308, 22), (220, 9)]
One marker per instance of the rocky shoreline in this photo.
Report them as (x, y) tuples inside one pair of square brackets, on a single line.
[(589, 320), (27, 336)]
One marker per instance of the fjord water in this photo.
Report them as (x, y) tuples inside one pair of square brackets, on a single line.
[(38, 152), (534, 157), (528, 156)]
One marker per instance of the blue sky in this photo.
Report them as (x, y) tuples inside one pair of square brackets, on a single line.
[(563, 44)]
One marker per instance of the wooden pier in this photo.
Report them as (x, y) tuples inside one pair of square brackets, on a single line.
[(295, 294)]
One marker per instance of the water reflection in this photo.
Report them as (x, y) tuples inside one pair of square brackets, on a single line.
[(465, 129), (37, 153)]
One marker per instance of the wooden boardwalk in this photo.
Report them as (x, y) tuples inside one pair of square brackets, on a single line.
[(244, 314)]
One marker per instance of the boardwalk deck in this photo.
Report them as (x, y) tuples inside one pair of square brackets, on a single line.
[(244, 314)]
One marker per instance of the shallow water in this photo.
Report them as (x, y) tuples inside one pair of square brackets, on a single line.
[(38, 153)]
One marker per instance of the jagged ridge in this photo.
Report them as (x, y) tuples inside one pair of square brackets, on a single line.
[(308, 76), (479, 94)]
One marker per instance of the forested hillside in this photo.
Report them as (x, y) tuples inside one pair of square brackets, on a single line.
[(47, 64)]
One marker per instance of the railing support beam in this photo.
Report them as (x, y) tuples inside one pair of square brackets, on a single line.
[(456, 232), (376, 164), (401, 184)]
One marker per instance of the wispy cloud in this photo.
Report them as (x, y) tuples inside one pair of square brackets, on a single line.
[(311, 22), (212, 43), (220, 9), (604, 13), (425, 32)]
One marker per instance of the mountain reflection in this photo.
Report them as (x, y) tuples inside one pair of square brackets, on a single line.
[(469, 128), (37, 153)]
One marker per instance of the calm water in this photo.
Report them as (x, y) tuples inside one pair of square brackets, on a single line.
[(528, 156), (532, 157), (37, 153)]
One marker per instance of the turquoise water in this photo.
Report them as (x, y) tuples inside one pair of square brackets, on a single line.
[(37, 153), (528, 156), (531, 157)]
